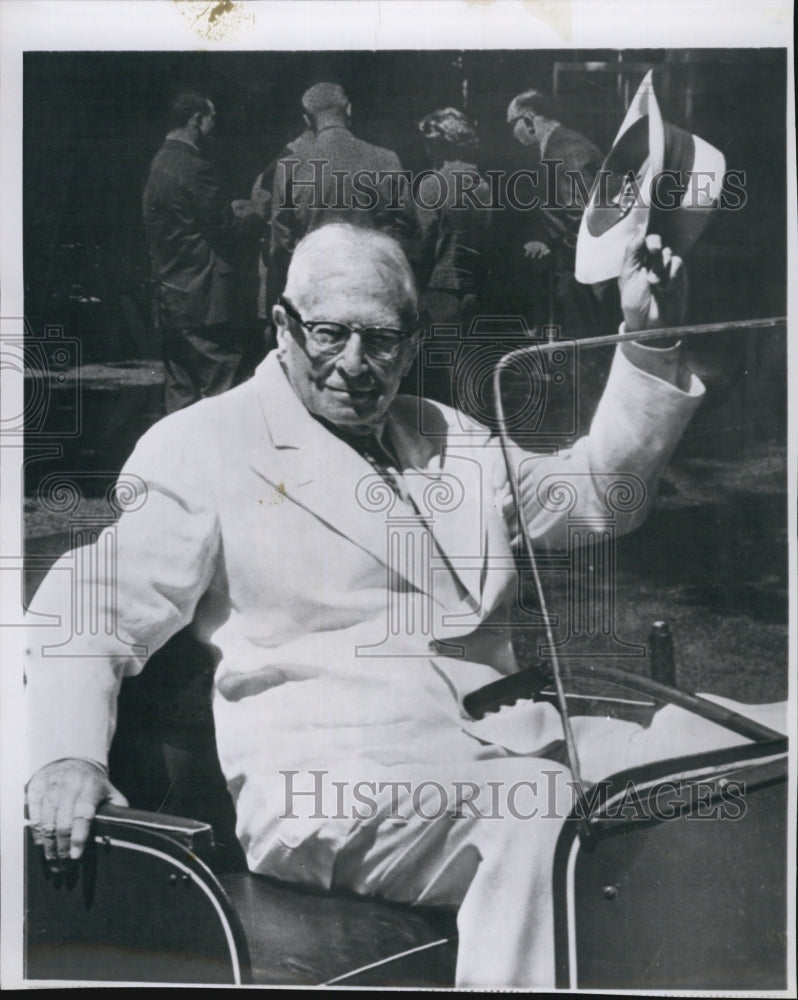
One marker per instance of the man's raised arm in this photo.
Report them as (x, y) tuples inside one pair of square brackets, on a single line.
[(647, 403)]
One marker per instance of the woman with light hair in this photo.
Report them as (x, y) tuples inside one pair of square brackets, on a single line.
[(454, 204)]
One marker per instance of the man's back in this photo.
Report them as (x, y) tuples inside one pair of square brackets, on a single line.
[(333, 176), (458, 229), (574, 162), (190, 234)]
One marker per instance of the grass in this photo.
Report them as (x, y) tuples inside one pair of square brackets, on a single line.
[(712, 561)]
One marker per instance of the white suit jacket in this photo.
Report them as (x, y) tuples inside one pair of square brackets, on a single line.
[(347, 623)]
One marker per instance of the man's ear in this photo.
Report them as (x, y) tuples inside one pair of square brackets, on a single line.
[(308, 122), (280, 318), (281, 331), (412, 351)]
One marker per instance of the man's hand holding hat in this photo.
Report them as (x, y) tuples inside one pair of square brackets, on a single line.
[(653, 285)]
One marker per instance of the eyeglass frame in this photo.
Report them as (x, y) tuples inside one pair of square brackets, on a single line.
[(527, 117), (403, 336)]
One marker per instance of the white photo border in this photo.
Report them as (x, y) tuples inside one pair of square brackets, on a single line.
[(177, 25)]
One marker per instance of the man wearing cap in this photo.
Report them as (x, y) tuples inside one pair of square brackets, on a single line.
[(346, 554), (194, 238), (332, 176), (566, 164)]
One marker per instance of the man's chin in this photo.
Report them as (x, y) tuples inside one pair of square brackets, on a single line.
[(353, 408)]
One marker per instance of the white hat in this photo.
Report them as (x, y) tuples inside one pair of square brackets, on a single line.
[(656, 178)]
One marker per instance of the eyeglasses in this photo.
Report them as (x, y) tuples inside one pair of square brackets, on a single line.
[(381, 343)]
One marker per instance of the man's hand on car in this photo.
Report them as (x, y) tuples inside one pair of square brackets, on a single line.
[(63, 797)]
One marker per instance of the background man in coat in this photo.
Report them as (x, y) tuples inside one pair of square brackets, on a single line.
[(346, 554), (332, 176), (567, 163), (194, 237)]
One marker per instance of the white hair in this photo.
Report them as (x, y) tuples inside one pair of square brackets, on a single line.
[(345, 246)]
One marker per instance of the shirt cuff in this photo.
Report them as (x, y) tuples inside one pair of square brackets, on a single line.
[(662, 362)]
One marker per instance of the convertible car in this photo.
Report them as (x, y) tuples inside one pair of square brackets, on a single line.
[(667, 875), (648, 893)]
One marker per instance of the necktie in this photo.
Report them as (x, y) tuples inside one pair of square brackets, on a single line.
[(379, 458), (375, 453)]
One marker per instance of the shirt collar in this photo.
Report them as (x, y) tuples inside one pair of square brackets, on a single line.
[(178, 138), (353, 439), (543, 134)]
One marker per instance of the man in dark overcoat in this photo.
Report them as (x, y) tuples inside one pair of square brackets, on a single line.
[(194, 236), (330, 175), (566, 163)]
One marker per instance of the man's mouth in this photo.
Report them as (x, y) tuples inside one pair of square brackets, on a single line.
[(353, 393)]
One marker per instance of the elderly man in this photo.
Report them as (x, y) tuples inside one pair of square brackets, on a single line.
[(195, 237), (346, 554)]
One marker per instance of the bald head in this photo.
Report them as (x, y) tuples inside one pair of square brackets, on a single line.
[(326, 104), (324, 97), (344, 260), (531, 102)]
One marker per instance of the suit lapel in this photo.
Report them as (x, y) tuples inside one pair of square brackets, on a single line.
[(447, 490), (322, 474)]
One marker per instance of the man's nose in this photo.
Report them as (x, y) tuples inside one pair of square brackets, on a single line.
[(352, 360)]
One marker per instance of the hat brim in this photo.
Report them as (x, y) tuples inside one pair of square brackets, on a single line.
[(627, 201)]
